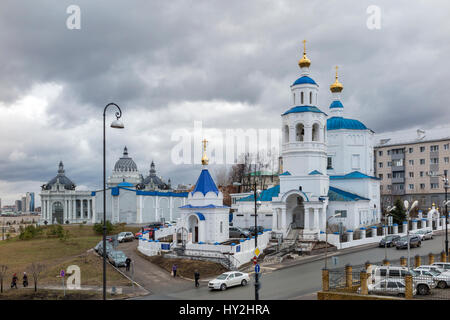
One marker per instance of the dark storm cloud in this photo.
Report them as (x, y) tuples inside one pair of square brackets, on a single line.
[(151, 57)]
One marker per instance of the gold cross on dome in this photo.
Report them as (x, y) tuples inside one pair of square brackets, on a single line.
[(204, 144), (304, 46)]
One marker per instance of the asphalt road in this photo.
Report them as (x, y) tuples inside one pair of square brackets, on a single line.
[(296, 282)]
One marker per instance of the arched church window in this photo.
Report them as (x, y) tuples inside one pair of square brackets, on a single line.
[(310, 97), (301, 97), (300, 132), (315, 132), (286, 134), (293, 98)]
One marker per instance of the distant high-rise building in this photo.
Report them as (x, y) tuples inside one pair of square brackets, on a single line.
[(24, 204), (30, 202), (18, 205)]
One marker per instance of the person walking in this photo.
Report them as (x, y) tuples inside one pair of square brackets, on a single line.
[(174, 270), (25, 280), (196, 277), (128, 262), (14, 281)]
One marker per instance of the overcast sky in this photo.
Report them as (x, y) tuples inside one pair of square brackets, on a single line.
[(226, 63)]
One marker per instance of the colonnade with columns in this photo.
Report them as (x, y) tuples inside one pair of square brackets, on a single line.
[(75, 209)]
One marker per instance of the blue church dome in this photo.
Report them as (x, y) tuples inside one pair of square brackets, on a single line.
[(205, 183), (299, 109), (303, 80), (336, 123), (336, 104)]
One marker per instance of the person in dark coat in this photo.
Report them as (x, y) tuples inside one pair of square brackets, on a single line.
[(196, 277), (14, 281), (174, 270), (128, 262), (25, 280)]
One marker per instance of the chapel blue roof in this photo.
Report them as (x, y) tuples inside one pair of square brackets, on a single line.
[(266, 195), (299, 109), (205, 183), (335, 194), (314, 172), (336, 123), (125, 184), (303, 80), (286, 173), (353, 175), (336, 104), (209, 206)]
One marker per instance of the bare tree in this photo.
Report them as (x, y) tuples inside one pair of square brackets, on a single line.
[(36, 269), (3, 269), (222, 177)]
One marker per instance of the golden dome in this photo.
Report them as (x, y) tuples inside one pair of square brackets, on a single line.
[(336, 86), (304, 62), (205, 159)]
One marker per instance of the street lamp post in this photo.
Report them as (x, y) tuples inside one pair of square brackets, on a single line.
[(388, 210), (408, 211), (326, 237), (117, 124), (446, 202)]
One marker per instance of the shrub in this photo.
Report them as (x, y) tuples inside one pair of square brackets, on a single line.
[(29, 232), (98, 227)]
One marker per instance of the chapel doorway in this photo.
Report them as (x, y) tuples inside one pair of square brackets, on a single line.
[(58, 213)]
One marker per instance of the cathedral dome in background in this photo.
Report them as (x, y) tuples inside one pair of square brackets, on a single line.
[(125, 163)]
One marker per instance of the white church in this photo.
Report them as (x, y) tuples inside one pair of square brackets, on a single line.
[(327, 164)]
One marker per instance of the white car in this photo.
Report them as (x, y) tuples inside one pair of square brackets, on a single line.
[(125, 236), (394, 287), (443, 280), (443, 265), (229, 279), (424, 234), (428, 267)]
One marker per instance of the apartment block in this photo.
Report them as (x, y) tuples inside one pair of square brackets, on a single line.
[(404, 161)]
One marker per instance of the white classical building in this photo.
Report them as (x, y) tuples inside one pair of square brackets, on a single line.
[(61, 203), (327, 169), (131, 198)]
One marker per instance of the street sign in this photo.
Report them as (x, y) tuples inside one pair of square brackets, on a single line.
[(257, 268), (255, 260), (257, 252), (62, 274)]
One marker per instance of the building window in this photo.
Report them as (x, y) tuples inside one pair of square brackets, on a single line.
[(422, 186), (310, 97), (221, 225), (411, 162), (411, 150), (411, 187), (389, 152), (300, 132), (380, 165), (389, 187), (315, 132), (446, 159), (434, 160), (342, 212), (329, 163), (356, 161), (422, 149), (422, 161), (434, 148), (380, 153), (411, 174), (389, 175), (398, 163), (301, 97), (380, 176), (434, 185), (446, 146), (421, 173), (381, 188), (389, 163)]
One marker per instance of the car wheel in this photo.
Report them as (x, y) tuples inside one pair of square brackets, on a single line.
[(422, 289), (401, 295), (397, 248), (223, 287), (419, 244), (244, 282), (442, 284)]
